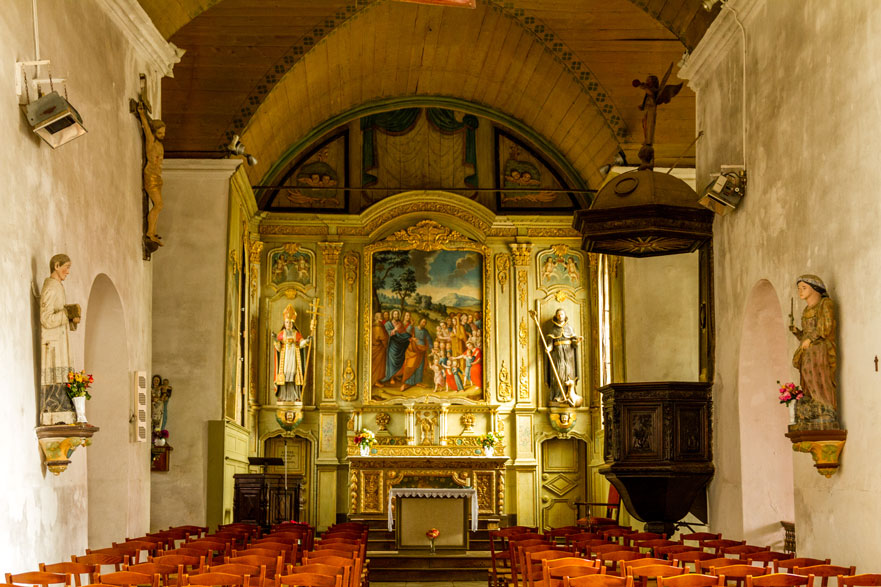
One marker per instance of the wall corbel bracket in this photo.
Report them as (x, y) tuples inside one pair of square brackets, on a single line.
[(825, 447), (58, 442)]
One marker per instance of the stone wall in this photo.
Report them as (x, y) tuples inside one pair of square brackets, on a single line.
[(83, 199), (812, 206)]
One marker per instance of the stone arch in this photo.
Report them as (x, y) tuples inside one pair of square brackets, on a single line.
[(766, 455), (106, 357)]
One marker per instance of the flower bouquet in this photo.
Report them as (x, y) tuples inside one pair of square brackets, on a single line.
[(431, 534), (78, 384), (789, 392), (488, 441), (364, 440)]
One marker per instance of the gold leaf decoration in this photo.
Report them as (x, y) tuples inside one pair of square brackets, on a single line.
[(427, 235)]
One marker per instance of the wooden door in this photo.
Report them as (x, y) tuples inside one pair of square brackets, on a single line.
[(563, 480)]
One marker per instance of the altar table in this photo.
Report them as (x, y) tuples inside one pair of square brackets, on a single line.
[(414, 510)]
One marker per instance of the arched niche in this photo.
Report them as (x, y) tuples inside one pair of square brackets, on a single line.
[(109, 469), (765, 454)]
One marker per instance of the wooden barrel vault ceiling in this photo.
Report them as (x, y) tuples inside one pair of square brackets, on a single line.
[(274, 70)]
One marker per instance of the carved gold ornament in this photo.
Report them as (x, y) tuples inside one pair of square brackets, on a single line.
[(523, 380), (328, 331), (349, 389), (523, 333), (382, 421), (331, 252), (561, 296), (467, 421), (328, 380), (350, 266), (503, 268), (504, 384), (522, 286), (521, 252), (560, 250), (290, 293), (291, 248), (427, 235)]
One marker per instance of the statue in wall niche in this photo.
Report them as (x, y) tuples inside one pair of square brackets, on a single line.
[(290, 359), (561, 346), (57, 318), (160, 392), (816, 357), (154, 151)]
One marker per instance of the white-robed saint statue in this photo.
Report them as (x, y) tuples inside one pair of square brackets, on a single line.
[(57, 318), (290, 359)]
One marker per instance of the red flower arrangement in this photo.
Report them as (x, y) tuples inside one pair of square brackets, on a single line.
[(432, 533), (789, 392)]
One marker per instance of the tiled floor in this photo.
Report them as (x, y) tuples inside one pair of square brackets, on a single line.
[(432, 584)]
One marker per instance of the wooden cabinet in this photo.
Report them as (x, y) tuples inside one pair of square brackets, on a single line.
[(264, 499)]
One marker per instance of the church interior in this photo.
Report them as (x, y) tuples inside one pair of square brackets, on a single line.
[(330, 262)]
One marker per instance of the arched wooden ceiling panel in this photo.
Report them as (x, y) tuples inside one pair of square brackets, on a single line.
[(170, 15), (480, 56)]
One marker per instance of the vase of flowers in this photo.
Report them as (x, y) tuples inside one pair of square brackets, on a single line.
[(364, 440), (160, 437), (488, 441), (431, 535), (789, 394), (78, 384)]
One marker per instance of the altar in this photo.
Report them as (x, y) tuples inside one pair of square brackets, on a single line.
[(372, 478), (413, 511)]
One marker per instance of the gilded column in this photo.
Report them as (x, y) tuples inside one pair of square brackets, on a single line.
[(331, 253), (253, 359), (521, 253)]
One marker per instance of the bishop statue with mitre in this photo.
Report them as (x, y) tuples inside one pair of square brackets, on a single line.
[(290, 351)]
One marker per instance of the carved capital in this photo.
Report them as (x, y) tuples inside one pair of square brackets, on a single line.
[(254, 253), (331, 252), (521, 252)]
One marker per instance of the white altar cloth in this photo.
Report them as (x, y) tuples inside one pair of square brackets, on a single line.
[(428, 492)]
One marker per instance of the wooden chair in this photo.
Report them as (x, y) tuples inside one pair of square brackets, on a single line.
[(583, 547), (556, 533), (642, 574), (161, 569), (596, 551), (533, 563), (616, 559), (100, 560), (124, 554), (581, 536), (184, 563), (216, 579), (790, 563), (739, 572), (864, 580), (76, 570), (616, 534), (698, 536), (683, 559), (196, 531), (629, 539), (513, 546), (766, 557), (127, 579), (322, 569), (500, 558), (692, 580), (824, 571), (288, 551), (352, 577), (669, 551), (779, 580), (601, 580), (653, 544), (718, 544), (40, 578), (308, 580), (703, 566), (257, 573), (553, 571), (643, 562), (274, 564), (743, 549)]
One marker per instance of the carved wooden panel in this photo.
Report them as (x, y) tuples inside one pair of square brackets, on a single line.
[(691, 440), (642, 432), (372, 494)]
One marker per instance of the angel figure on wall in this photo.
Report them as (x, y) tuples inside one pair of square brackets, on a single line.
[(816, 357), (290, 359)]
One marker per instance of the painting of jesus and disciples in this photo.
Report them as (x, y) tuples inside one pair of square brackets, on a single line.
[(427, 327)]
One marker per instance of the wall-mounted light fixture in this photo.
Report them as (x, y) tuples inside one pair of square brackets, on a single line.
[(237, 147), (724, 193)]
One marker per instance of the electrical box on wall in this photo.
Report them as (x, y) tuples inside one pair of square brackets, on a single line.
[(141, 417)]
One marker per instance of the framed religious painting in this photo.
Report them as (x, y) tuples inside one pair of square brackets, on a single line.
[(425, 321)]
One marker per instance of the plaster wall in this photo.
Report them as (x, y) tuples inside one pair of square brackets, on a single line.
[(661, 318), (812, 207), (188, 329), (83, 199)]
